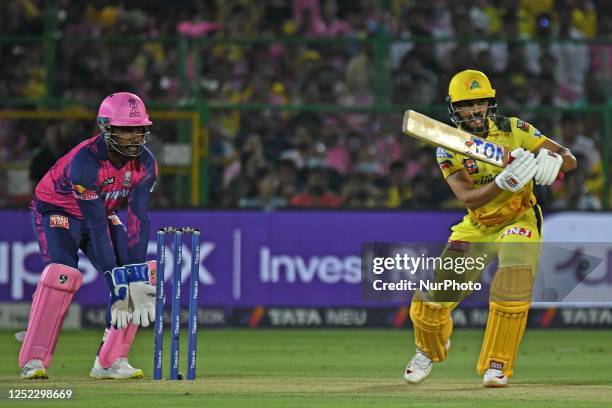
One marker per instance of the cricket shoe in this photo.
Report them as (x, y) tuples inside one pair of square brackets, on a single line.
[(34, 370), (119, 370), (419, 366), (494, 378)]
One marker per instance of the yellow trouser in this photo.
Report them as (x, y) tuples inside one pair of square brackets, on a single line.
[(516, 244)]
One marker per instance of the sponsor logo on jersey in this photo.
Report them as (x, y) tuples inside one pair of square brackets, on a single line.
[(442, 153), (59, 221), (114, 219), (115, 195), (127, 179), (81, 193), (537, 133), (470, 165), (446, 164), (134, 112), (517, 231), (521, 124), (108, 181), (485, 180)]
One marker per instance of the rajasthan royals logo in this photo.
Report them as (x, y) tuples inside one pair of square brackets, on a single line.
[(127, 179), (134, 113)]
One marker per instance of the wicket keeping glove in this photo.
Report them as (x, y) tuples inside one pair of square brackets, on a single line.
[(519, 173), (117, 280), (142, 292), (549, 164)]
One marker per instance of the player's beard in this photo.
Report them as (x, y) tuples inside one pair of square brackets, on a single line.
[(478, 124), (130, 150)]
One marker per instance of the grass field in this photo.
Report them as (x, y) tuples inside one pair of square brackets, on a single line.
[(328, 368)]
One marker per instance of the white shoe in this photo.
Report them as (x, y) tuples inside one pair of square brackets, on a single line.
[(34, 370), (120, 370), (420, 366), (494, 378)]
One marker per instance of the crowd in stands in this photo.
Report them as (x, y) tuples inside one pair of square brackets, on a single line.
[(340, 53)]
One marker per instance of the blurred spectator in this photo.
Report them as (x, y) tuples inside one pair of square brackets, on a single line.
[(422, 194), (576, 192), (601, 62), (268, 195), (306, 152), (317, 192), (359, 76), (286, 172), (572, 131), (399, 190), (45, 156), (402, 52), (360, 191), (334, 25)]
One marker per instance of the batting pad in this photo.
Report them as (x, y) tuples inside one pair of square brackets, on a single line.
[(509, 302), (512, 284), (432, 327), (505, 329), (56, 288)]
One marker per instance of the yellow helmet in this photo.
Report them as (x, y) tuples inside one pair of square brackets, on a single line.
[(469, 84)]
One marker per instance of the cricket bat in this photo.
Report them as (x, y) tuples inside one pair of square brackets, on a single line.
[(436, 133)]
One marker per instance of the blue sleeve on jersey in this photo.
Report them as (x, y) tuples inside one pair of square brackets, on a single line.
[(138, 211), (83, 174)]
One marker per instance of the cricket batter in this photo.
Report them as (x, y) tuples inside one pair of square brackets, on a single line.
[(74, 208), (502, 212)]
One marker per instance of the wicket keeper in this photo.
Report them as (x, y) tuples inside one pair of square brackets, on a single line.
[(74, 207), (503, 213)]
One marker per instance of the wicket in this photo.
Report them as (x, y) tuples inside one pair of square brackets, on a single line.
[(176, 302)]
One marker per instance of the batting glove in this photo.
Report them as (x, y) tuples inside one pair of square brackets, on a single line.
[(549, 164), (142, 292), (519, 173), (117, 280)]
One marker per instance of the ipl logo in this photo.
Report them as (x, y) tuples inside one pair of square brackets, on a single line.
[(134, 113)]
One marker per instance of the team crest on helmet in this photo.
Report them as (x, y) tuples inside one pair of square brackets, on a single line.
[(134, 113), (474, 84)]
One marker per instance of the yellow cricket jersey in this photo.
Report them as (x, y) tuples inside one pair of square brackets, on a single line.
[(511, 133)]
